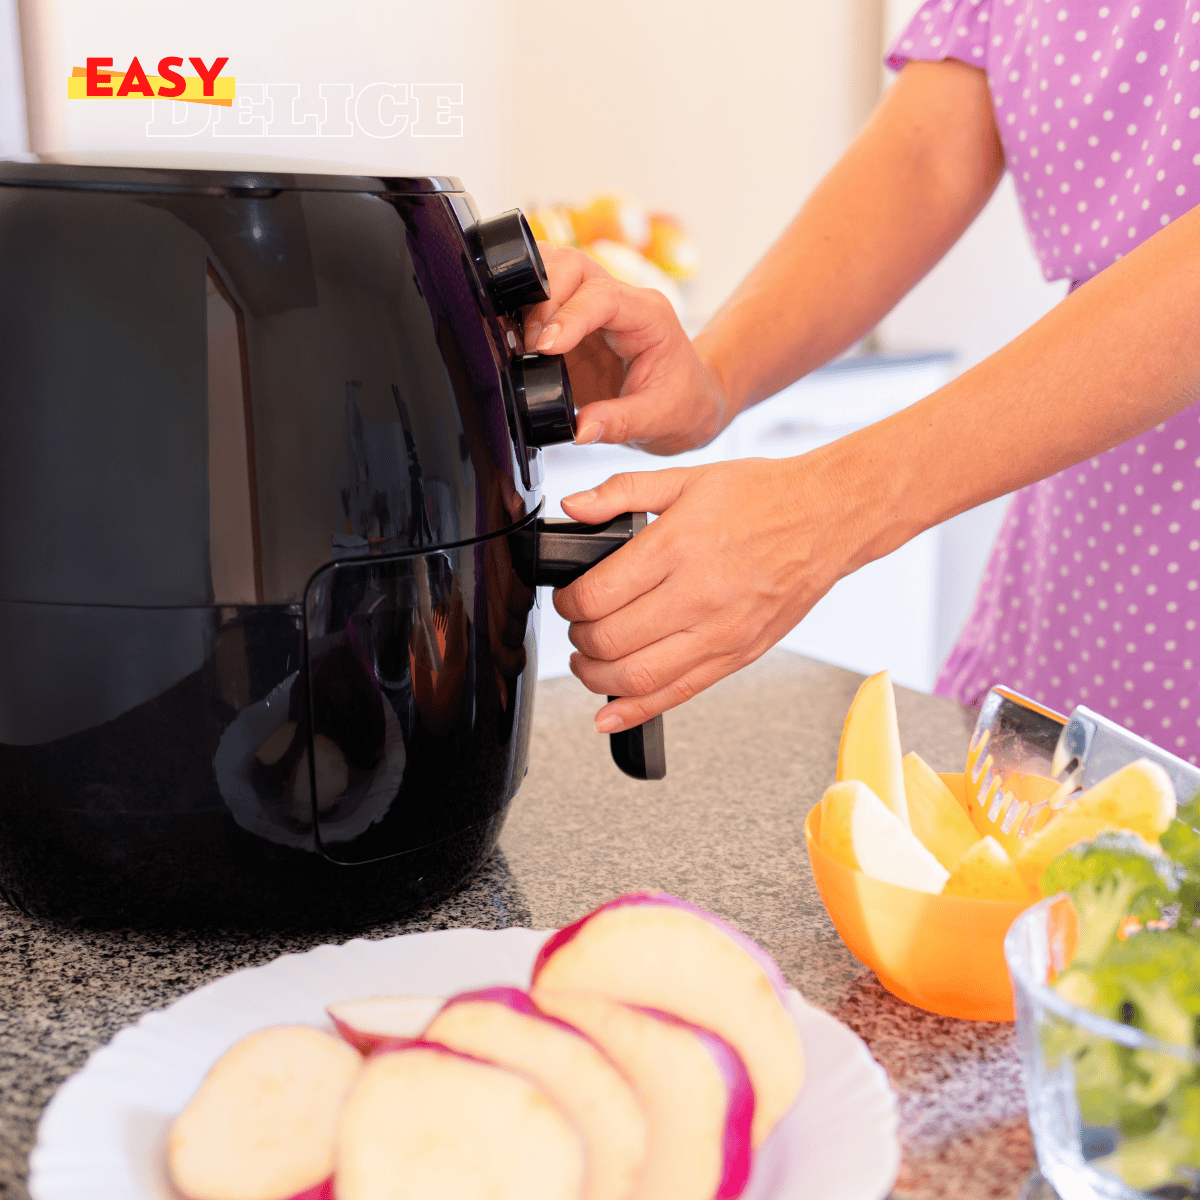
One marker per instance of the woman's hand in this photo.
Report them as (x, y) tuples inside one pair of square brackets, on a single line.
[(634, 373), (741, 551)]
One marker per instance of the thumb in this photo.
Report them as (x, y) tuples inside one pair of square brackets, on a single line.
[(631, 491), (641, 417), (613, 421)]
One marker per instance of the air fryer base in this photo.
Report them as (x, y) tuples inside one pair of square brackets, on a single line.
[(244, 888)]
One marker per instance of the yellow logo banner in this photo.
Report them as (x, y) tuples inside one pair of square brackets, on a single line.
[(101, 82)]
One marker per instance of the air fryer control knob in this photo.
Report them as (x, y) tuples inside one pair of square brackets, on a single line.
[(544, 400), (515, 273)]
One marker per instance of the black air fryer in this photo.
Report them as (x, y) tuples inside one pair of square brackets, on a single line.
[(269, 538)]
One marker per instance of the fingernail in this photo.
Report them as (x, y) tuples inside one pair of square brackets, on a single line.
[(533, 331), (588, 497), (589, 433), (547, 338), (609, 723)]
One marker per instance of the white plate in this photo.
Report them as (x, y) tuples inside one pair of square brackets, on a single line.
[(102, 1137)]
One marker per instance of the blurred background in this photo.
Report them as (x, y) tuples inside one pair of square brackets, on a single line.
[(723, 113)]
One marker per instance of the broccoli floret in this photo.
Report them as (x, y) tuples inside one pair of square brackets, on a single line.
[(1181, 840), (1152, 981), (1102, 1069), (1094, 1064), (1189, 812), (1149, 963), (1115, 875), (1182, 837), (1169, 1155)]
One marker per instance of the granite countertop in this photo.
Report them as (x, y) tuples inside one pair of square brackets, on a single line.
[(746, 761)]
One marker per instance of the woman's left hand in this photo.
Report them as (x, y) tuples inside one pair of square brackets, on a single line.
[(740, 552)]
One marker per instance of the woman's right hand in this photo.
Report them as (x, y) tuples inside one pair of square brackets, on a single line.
[(634, 372)]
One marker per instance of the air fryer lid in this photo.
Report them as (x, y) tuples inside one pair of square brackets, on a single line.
[(208, 174)]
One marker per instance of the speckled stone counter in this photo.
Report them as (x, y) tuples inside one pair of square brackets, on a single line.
[(746, 761)]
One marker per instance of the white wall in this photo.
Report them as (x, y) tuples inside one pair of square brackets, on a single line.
[(725, 113), (306, 43)]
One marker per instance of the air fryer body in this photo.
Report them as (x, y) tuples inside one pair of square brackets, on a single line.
[(264, 657)]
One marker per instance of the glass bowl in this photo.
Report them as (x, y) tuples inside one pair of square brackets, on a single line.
[(1065, 1055)]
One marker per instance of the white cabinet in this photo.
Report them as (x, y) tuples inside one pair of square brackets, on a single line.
[(882, 616)]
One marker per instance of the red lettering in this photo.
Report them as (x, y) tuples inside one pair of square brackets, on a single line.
[(96, 77), (208, 74), (135, 81), (178, 84)]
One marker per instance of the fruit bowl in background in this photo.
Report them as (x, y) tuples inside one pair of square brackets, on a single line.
[(635, 246), (1064, 1051), (944, 954)]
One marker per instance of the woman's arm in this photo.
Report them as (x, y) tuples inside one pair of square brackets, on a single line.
[(1115, 358), (901, 196), (744, 549)]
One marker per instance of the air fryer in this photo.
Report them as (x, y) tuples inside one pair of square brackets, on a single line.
[(270, 482)]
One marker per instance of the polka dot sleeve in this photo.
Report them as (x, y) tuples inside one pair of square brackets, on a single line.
[(945, 29)]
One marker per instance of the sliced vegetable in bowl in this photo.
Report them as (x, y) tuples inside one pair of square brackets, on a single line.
[(922, 893)]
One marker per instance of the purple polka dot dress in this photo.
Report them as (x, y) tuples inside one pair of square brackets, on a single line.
[(1092, 592)]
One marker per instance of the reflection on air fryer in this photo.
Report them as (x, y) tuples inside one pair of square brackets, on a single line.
[(407, 704)]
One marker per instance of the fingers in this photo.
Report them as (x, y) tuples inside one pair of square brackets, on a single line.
[(584, 298), (614, 643), (630, 491), (596, 373), (629, 654), (635, 374), (633, 318), (566, 269), (628, 711), (611, 584), (619, 421), (636, 567), (650, 668)]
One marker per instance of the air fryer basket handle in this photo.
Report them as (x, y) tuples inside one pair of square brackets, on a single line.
[(562, 551)]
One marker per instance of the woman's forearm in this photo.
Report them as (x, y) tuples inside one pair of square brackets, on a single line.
[(893, 205), (1114, 359)]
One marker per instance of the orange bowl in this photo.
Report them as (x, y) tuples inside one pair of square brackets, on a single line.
[(944, 954)]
